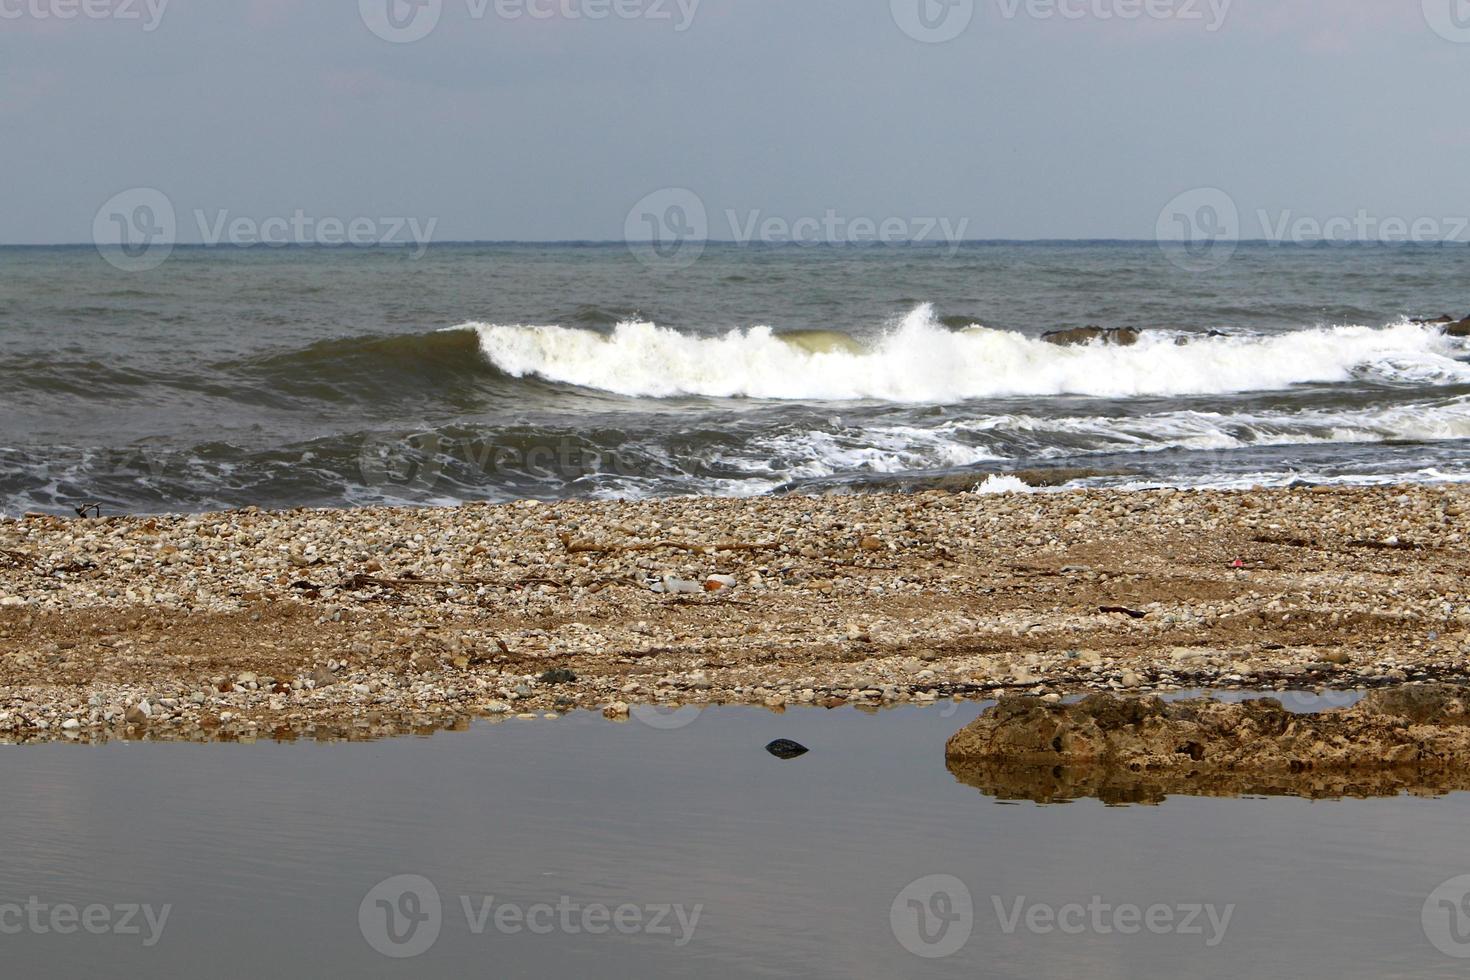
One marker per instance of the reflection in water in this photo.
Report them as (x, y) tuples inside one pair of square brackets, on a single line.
[(1121, 787)]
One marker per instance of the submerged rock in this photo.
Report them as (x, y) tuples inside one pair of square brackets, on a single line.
[(785, 749)]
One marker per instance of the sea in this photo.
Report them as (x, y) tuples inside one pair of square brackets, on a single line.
[(286, 377)]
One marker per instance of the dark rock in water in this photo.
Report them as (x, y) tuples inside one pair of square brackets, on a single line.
[(1184, 340), (1118, 337), (558, 677), (784, 748), (1451, 326)]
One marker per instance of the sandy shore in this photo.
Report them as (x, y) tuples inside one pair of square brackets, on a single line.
[(362, 623)]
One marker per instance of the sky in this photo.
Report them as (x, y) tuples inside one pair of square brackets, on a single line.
[(554, 119)]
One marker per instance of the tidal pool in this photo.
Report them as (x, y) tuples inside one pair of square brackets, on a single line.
[(679, 847)]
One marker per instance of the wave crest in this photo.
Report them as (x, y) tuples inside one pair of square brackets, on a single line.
[(922, 361)]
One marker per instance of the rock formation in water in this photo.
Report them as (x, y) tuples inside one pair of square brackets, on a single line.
[(1116, 336), (1141, 749), (1451, 326)]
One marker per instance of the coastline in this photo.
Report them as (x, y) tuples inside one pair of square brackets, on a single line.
[(362, 623)]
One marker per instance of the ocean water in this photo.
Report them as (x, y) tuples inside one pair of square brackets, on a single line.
[(341, 377)]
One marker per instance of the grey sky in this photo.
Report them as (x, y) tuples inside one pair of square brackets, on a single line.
[(1033, 122)]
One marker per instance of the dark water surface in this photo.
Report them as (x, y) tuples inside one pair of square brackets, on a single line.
[(339, 377), (267, 853)]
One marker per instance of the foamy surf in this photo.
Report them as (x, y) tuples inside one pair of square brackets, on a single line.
[(919, 360), (1015, 439)]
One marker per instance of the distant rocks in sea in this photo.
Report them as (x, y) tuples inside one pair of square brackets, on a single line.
[(1110, 336), (1451, 326), (1129, 336), (1115, 336)]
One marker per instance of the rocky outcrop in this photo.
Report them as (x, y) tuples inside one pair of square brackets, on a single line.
[(1451, 326), (1394, 739), (1116, 336)]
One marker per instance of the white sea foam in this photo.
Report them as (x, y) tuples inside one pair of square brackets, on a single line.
[(957, 443), (996, 483), (919, 360)]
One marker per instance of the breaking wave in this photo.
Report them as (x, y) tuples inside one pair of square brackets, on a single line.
[(919, 360)]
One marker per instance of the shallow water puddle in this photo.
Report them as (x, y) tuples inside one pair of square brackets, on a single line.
[(684, 848)]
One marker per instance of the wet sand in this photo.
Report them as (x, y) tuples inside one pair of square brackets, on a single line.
[(344, 624)]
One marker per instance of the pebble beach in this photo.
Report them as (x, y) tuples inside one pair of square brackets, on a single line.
[(369, 622)]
